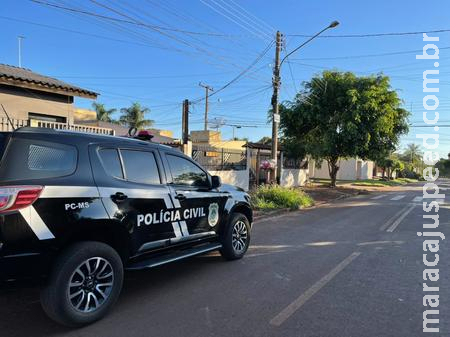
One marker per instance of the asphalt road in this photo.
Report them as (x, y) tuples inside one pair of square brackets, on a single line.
[(350, 268)]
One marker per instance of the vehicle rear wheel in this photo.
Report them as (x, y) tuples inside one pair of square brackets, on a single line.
[(236, 238), (84, 284)]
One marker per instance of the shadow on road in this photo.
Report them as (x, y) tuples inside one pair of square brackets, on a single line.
[(21, 313)]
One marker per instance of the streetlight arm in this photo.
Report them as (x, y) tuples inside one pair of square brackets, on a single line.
[(332, 25)]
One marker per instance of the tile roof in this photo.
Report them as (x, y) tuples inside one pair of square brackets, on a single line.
[(15, 75)]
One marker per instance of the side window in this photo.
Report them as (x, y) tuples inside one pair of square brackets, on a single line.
[(111, 162), (49, 158), (140, 167), (185, 172), (35, 159)]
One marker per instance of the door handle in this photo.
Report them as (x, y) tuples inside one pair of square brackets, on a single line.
[(180, 197), (119, 196)]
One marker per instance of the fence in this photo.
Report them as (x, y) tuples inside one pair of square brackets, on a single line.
[(72, 127), (5, 125), (213, 158), (229, 164)]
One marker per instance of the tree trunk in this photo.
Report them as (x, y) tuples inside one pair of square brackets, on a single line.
[(333, 169)]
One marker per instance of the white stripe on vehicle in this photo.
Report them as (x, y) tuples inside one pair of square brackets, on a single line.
[(36, 223), (69, 192), (135, 193), (175, 225), (184, 229)]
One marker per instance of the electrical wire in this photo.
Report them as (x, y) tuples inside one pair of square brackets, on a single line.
[(437, 31), (366, 55), (45, 3), (242, 73)]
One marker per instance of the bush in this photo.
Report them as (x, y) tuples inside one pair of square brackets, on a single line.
[(276, 197)]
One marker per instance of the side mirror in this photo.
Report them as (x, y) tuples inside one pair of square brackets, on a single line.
[(216, 182)]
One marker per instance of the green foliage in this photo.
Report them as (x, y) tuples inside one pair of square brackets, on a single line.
[(276, 197), (103, 114), (339, 115), (134, 116), (444, 167), (412, 154), (265, 140)]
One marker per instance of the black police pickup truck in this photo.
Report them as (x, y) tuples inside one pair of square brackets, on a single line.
[(80, 209)]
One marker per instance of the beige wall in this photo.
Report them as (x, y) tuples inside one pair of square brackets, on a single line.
[(84, 115), (19, 102), (238, 178), (347, 170), (293, 177)]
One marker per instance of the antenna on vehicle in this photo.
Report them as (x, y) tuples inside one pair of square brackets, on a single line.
[(9, 119)]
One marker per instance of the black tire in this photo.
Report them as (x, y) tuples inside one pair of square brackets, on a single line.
[(55, 296), (229, 250)]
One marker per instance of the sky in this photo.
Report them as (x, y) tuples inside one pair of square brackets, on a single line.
[(166, 48)]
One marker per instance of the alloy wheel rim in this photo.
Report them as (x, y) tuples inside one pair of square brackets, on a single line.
[(91, 284), (239, 239)]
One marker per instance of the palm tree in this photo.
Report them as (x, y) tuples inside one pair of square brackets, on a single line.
[(103, 114), (412, 153), (134, 116)]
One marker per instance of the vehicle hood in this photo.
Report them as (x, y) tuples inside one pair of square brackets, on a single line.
[(230, 188)]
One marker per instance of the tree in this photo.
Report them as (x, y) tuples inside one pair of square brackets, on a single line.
[(412, 154), (339, 115), (134, 116), (265, 140), (103, 114)]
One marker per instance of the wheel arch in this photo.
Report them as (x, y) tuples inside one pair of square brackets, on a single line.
[(107, 232), (244, 209)]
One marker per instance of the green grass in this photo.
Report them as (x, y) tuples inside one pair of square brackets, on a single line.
[(276, 197), (382, 183)]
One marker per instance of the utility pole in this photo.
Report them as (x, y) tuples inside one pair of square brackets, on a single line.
[(185, 122), (276, 88), (19, 39), (207, 90), (187, 150), (275, 115)]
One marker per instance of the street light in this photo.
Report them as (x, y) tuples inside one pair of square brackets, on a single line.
[(276, 88)]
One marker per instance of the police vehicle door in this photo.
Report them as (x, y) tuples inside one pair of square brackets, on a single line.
[(134, 193), (202, 208)]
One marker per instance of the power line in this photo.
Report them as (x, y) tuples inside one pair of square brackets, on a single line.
[(242, 73), (245, 25), (252, 15), (366, 55), (241, 12), (176, 38), (125, 21), (377, 34)]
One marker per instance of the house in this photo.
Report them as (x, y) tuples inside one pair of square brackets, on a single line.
[(349, 169), (214, 139), (88, 118), (32, 99)]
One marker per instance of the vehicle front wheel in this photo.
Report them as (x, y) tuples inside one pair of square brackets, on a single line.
[(236, 237), (85, 282)]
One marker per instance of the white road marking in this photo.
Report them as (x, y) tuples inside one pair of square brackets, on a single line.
[(398, 197), (418, 199), (400, 219), (379, 196), (393, 218), (303, 298)]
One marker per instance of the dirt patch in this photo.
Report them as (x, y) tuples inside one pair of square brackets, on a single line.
[(322, 194)]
